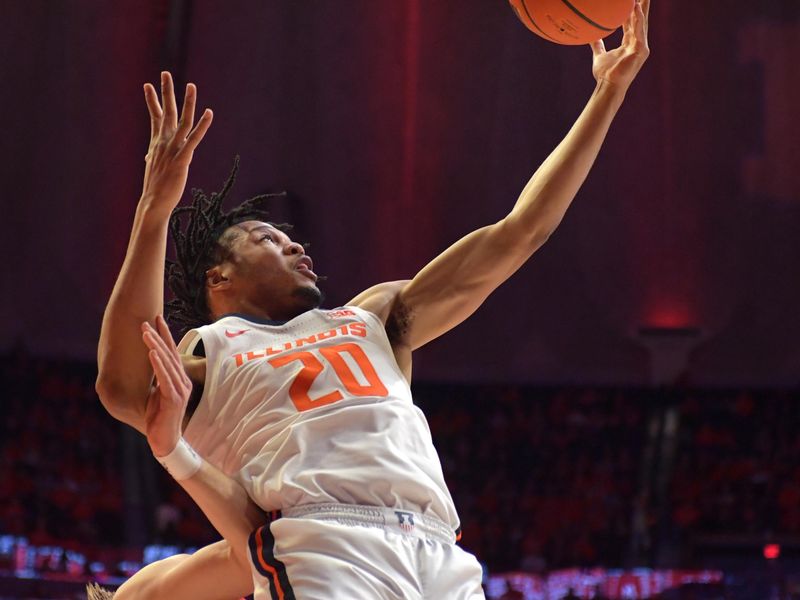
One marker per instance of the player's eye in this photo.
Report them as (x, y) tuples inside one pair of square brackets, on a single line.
[(267, 236)]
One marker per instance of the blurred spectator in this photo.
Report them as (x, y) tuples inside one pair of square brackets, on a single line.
[(736, 468), (542, 478), (59, 466)]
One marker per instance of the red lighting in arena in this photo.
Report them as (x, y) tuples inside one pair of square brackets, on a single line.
[(772, 551), (669, 315)]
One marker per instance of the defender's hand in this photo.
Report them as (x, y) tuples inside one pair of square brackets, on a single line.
[(172, 143), (620, 66), (166, 405)]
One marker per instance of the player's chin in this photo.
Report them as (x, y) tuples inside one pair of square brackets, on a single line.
[(309, 295)]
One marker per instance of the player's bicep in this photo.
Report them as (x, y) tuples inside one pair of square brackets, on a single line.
[(452, 286)]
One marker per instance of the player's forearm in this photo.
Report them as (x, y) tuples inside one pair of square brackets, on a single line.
[(124, 373), (223, 500), (227, 505), (454, 285), (547, 196), (211, 573)]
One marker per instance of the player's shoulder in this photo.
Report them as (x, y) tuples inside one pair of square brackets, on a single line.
[(379, 299), (227, 326)]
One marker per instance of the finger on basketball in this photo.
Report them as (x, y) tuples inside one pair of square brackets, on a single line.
[(628, 28), (639, 24), (598, 47), (646, 13)]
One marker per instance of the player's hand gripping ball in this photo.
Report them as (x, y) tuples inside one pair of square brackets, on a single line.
[(572, 22)]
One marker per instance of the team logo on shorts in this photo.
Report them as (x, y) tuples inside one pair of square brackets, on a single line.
[(405, 520)]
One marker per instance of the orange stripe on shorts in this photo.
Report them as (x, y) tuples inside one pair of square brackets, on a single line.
[(263, 563)]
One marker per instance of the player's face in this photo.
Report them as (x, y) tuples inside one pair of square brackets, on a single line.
[(271, 272)]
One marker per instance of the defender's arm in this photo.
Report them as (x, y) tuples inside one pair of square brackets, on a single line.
[(224, 501), (220, 571), (211, 573)]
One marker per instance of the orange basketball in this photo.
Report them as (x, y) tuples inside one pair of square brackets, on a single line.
[(572, 21)]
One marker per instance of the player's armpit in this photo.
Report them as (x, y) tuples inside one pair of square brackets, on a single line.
[(380, 298), (211, 573)]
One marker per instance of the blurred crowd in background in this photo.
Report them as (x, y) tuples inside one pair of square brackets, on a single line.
[(544, 478)]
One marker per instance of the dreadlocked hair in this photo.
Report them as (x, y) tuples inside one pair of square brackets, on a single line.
[(200, 246)]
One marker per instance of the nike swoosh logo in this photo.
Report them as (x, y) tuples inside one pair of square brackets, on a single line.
[(233, 334)]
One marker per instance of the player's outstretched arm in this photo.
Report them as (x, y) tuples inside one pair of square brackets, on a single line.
[(456, 283), (124, 372)]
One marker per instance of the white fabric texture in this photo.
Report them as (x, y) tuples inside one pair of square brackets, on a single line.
[(315, 411), (342, 559)]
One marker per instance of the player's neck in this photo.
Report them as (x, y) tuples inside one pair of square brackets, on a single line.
[(257, 312)]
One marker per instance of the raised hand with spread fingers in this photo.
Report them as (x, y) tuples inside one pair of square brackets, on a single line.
[(172, 141)]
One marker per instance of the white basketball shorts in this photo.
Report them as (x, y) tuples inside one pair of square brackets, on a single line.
[(351, 552)]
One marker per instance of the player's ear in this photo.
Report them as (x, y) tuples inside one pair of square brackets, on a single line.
[(216, 279)]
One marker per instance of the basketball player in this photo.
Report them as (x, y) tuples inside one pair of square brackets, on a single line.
[(309, 411)]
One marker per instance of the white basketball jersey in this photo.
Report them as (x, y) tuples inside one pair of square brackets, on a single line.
[(314, 410)]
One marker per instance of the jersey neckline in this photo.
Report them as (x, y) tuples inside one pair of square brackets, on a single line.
[(253, 319), (272, 322)]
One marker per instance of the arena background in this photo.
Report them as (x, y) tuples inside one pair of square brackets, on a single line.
[(397, 126)]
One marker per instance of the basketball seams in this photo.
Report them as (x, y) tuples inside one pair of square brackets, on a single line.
[(574, 9), (572, 22), (533, 22)]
